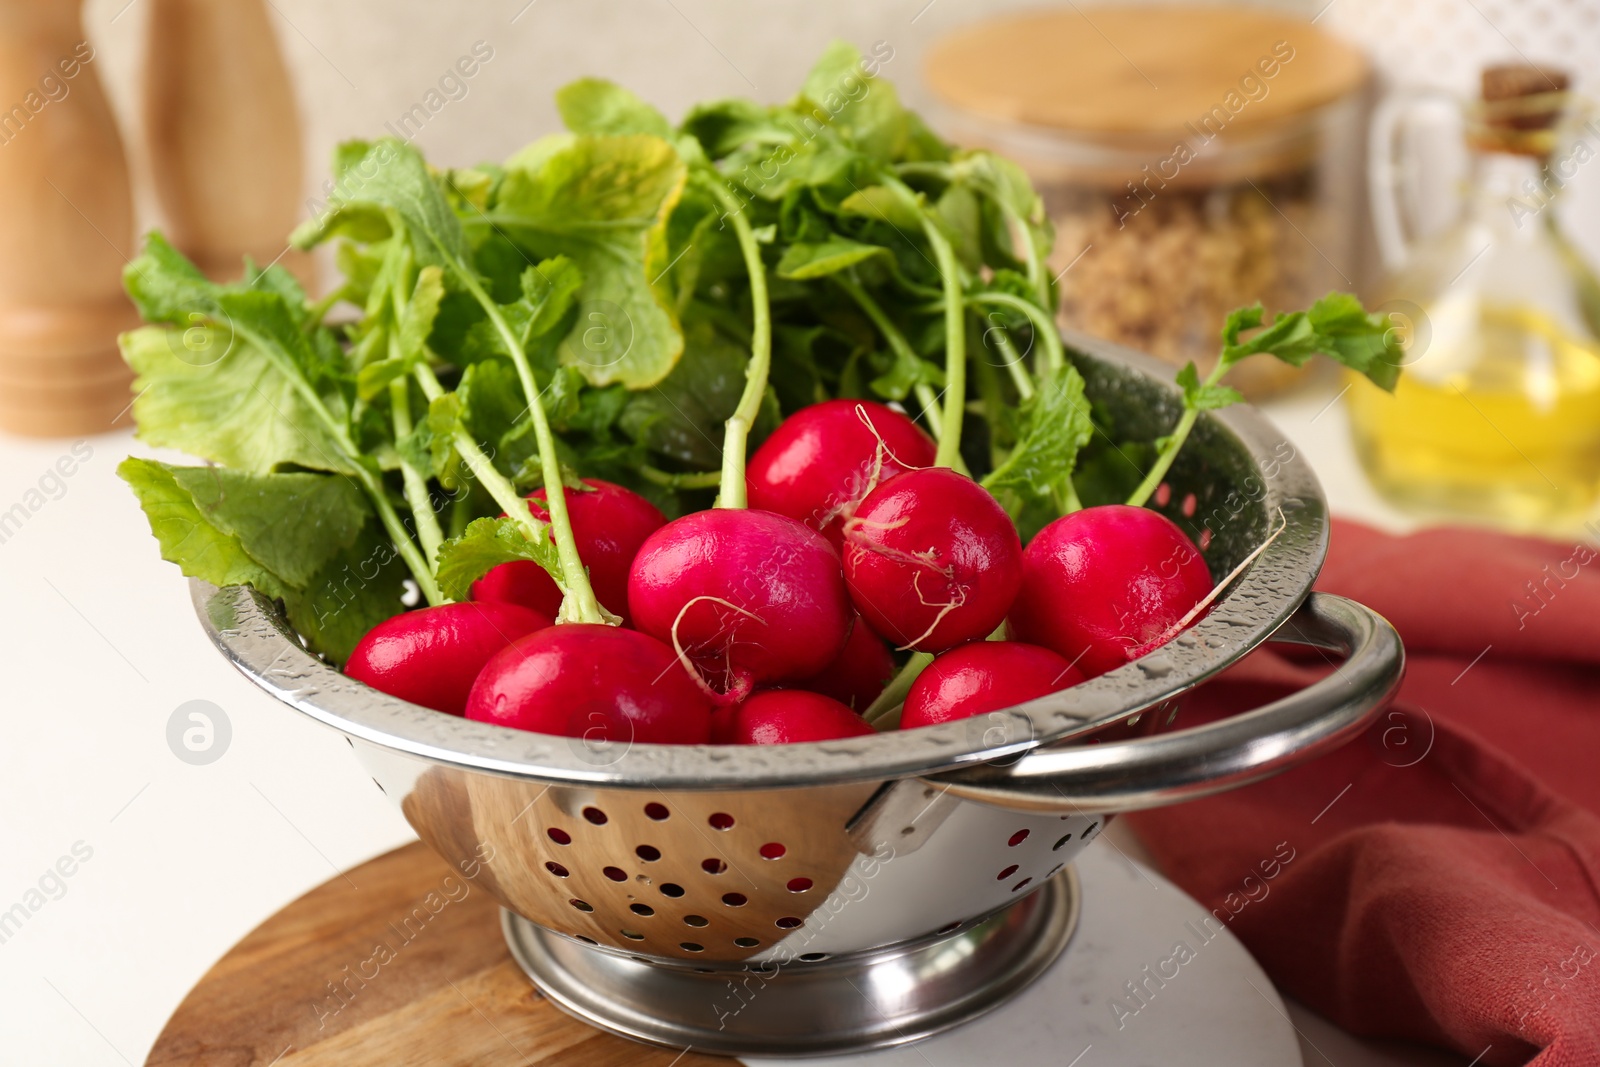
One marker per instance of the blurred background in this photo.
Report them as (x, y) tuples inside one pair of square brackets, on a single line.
[(1193, 161)]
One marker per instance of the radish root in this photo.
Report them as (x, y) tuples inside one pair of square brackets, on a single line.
[(739, 686), (1210, 598)]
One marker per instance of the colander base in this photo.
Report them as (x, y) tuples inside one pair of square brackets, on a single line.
[(868, 1000)]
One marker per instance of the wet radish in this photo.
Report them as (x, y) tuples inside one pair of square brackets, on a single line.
[(1105, 585), (600, 683), (609, 523), (787, 717), (823, 459), (748, 596), (932, 560), (745, 596), (984, 676), (858, 674), (431, 656)]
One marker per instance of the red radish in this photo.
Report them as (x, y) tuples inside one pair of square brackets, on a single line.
[(432, 655), (609, 524), (859, 673), (748, 597), (932, 560), (984, 676), (788, 717), (601, 683), (823, 459), (1105, 585)]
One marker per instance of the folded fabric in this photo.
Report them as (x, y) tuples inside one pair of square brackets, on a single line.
[(1438, 879)]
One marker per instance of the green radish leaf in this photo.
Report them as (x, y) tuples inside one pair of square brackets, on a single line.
[(1008, 185), (603, 202), (880, 204), (391, 178), (1202, 397), (240, 410), (357, 589), (198, 546), (593, 105), (727, 125), (1054, 426), (305, 538), (547, 292), (1336, 326), (864, 109), (682, 418), (291, 524), (421, 312), (802, 262), (166, 287), (960, 212), (486, 544)]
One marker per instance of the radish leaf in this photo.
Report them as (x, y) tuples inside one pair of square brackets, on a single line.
[(1055, 424), (603, 202), (487, 543)]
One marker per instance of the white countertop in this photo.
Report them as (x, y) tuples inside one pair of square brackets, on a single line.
[(183, 860)]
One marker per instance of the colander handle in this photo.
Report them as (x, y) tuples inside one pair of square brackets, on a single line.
[(1168, 768)]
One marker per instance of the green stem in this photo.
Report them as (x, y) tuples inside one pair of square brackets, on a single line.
[(685, 480), (316, 312), (1030, 254), (894, 694), (498, 485), (1008, 351), (1067, 496), (1169, 451), (898, 345), (930, 407), (417, 495), (955, 331), (737, 432), (1046, 334), (583, 605), (369, 481)]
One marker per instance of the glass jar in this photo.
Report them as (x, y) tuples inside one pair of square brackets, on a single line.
[(1497, 414), (1235, 181)]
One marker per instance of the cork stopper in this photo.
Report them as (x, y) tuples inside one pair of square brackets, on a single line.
[(1523, 97)]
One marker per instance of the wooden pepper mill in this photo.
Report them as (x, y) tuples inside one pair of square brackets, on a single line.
[(68, 229), (224, 134)]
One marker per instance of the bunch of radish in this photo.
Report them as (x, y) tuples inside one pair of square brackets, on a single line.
[(770, 617), (576, 318), (774, 623)]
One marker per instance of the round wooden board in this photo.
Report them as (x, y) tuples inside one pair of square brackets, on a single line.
[(398, 963)]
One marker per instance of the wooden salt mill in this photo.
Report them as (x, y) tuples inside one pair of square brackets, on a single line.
[(68, 229), (224, 134)]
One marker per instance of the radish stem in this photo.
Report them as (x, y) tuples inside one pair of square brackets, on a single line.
[(737, 432), (685, 480), (1014, 364), (1169, 450), (955, 331), (1046, 334), (930, 408), (497, 485), (580, 598), (428, 531), (900, 346), (894, 694)]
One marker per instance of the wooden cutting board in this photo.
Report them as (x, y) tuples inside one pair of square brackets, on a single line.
[(397, 963)]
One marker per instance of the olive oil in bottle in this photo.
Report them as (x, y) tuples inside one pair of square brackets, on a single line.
[(1497, 413)]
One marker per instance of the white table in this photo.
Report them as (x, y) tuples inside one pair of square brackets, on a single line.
[(181, 860)]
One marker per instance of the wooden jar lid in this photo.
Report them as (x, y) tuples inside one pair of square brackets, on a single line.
[(1140, 70)]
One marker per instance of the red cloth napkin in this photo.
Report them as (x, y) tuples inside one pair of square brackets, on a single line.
[(1443, 883)]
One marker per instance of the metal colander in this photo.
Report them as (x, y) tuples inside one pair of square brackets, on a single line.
[(805, 899)]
